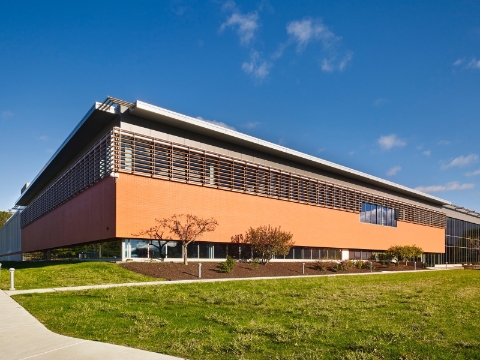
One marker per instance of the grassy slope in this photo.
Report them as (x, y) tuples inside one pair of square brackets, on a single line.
[(428, 315), (48, 274)]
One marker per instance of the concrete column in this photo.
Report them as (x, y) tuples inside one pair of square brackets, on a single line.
[(123, 250)]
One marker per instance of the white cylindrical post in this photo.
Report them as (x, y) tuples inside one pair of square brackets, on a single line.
[(371, 265), (415, 265), (303, 268), (12, 279), (446, 265), (199, 270)]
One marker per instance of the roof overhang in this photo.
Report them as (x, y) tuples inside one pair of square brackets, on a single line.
[(100, 114), (172, 118), (91, 124)]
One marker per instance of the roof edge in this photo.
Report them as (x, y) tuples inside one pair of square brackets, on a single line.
[(140, 105)]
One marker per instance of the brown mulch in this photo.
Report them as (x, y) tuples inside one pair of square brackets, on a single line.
[(211, 270)]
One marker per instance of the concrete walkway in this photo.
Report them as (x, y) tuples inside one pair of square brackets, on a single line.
[(24, 337), (176, 282)]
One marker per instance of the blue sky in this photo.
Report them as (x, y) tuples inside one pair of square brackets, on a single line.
[(387, 88)]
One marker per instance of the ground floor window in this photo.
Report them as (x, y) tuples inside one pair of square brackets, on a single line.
[(134, 248), (360, 255)]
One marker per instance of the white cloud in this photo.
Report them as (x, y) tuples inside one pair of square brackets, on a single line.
[(218, 123), (307, 30), (461, 161), (444, 142), (43, 138), (473, 173), (245, 24), (389, 141), (380, 102), (6, 115), (257, 67), (251, 125), (473, 64), (394, 170), (451, 186), (427, 153)]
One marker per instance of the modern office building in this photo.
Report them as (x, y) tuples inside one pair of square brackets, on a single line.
[(127, 164)]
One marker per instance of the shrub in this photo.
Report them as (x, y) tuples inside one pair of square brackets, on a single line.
[(255, 263), (359, 264), (336, 267), (320, 266), (227, 266), (366, 265)]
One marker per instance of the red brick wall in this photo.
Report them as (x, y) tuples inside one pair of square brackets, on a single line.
[(89, 216), (142, 199)]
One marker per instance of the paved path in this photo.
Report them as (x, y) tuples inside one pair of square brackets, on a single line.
[(24, 337), (174, 282)]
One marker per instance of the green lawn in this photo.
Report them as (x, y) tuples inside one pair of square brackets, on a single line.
[(48, 274), (425, 315)]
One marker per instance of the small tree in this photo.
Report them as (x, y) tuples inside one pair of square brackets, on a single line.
[(266, 240), (188, 228), (404, 252), (155, 233)]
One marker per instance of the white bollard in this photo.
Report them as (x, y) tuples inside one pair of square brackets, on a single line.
[(415, 265), (12, 279), (303, 269), (199, 270), (371, 265)]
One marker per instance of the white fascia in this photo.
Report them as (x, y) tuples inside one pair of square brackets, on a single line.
[(140, 105)]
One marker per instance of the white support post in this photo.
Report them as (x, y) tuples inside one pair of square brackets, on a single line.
[(303, 269), (12, 279), (199, 270)]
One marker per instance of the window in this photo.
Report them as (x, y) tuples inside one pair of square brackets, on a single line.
[(377, 214)]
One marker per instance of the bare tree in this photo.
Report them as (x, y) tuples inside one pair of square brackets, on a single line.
[(155, 233), (184, 227), (187, 228), (266, 240)]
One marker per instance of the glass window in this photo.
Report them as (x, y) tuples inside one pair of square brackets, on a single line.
[(219, 251), (362, 213), (174, 249), (373, 216), (367, 212), (205, 250), (192, 250), (298, 253)]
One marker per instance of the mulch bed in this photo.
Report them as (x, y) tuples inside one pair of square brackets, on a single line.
[(211, 270)]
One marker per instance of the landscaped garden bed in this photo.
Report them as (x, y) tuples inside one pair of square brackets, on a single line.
[(211, 270)]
